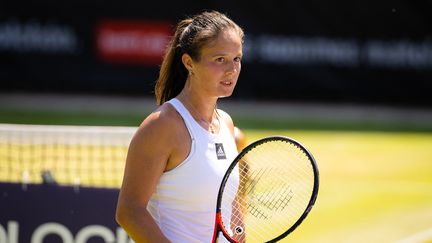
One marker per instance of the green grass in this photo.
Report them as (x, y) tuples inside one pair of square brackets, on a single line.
[(43, 116), (375, 179), (70, 118), (329, 125), (375, 187)]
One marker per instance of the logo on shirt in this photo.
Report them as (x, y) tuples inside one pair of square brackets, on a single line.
[(220, 152)]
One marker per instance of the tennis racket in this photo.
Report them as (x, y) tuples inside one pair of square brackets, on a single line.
[(267, 191)]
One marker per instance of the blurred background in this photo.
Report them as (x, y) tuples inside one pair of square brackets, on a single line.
[(336, 51), (352, 80)]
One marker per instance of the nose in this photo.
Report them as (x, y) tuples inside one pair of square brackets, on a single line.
[(233, 67)]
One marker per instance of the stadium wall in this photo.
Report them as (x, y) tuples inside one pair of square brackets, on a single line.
[(334, 51), (58, 214)]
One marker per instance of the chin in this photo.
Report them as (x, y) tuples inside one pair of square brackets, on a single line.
[(225, 95), (227, 92)]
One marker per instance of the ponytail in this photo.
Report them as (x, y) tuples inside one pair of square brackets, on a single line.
[(172, 74)]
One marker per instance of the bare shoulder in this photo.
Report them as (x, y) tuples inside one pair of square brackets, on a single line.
[(148, 155), (157, 128), (164, 115)]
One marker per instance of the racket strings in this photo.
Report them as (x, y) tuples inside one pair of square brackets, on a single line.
[(267, 192)]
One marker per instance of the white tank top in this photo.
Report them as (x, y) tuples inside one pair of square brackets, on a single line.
[(184, 202)]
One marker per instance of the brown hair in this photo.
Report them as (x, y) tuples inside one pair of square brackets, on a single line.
[(190, 36)]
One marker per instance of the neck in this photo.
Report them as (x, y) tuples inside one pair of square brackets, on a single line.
[(203, 110), (204, 106)]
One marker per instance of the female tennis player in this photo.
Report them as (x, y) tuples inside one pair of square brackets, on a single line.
[(179, 154)]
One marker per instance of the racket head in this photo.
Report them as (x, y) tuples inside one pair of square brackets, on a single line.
[(256, 190)]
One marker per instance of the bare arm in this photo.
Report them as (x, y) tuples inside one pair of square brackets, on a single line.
[(147, 159)]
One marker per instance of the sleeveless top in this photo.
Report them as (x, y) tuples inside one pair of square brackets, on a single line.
[(184, 202)]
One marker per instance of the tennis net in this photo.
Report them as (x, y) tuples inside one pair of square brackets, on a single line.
[(71, 155)]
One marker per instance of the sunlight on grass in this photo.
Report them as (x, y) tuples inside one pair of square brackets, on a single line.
[(374, 187)]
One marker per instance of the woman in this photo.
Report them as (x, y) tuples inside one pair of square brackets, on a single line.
[(180, 152)]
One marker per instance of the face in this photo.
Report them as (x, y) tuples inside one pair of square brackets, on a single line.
[(215, 74)]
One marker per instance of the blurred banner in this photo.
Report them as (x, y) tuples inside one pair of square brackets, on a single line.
[(58, 214), (335, 51)]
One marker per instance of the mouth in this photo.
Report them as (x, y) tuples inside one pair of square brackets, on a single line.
[(227, 83)]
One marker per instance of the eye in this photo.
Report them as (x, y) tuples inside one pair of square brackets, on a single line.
[(237, 59), (220, 59)]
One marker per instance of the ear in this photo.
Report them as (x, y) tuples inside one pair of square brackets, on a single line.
[(187, 62)]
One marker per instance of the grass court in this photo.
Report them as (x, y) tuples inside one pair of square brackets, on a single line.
[(375, 184)]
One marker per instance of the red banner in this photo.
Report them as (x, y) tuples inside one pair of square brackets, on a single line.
[(132, 42)]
